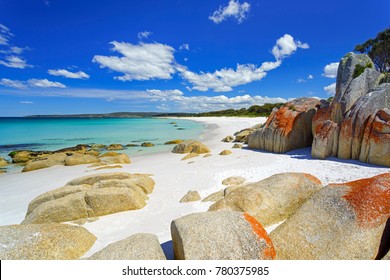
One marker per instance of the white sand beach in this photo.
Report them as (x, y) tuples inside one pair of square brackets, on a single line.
[(174, 178)]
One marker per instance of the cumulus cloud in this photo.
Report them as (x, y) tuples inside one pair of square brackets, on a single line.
[(330, 89), (286, 45), (139, 62), (225, 79), (10, 55), (68, 74), (44, 83), (144, 35), (13, 83), (234, 9), (330, 70)]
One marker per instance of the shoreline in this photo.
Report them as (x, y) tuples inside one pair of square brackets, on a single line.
[(174, 178)]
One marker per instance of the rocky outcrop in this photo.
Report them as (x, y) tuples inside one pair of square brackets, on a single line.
[(271, 200), (90, 196), (141, 246), (191, 146), (223, 235), (191, 196), (341, 221), (23, 156), (287, 128), (3, 162), (44, 242), (356, 124)]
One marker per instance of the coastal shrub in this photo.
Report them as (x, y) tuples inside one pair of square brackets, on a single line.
[(359, 69)]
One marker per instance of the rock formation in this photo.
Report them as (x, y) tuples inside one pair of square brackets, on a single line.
[(356, 125), (190, 197), (287, 128), (3, 162), (222, 235), (141, 246), (44, 242), (271, 200), (90, 196), (341, 221)]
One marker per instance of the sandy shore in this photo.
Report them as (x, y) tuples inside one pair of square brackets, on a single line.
[(174, 178)]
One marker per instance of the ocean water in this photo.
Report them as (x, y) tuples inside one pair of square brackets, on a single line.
[(53, 134)]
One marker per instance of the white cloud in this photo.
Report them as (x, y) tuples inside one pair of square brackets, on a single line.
[(144, 35), (139, 62), (330, 70), (300, 80), (225, 79), (10, 54), (233, 9), (286, 45), (184, 47), (330, 89), (44, 83), (310, 77), (13, 61), (26, 102), (13, 83), (68, 74)]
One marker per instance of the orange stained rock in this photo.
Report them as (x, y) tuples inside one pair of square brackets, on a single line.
[(312, 178), (370, 198), (269, 251)]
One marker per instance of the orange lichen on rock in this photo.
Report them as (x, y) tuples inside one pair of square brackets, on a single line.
[(269, 251), (312, 178), (370, 198)]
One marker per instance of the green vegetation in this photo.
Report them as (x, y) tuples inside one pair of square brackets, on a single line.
[(359, 69), (253, 111), (378, 49)]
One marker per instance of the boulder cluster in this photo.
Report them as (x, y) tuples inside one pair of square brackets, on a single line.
[(313, 222), (354, 125)]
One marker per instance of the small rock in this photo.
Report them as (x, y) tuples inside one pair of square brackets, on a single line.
[(234, 181), (190, 197), (113, 147), (225, 153), (132, 145), (237, 146), (177, 141), (190, 146), (190, 155), (147, 144), (228, 139)]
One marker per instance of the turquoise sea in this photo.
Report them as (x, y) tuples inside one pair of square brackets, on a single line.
[(56, 133)]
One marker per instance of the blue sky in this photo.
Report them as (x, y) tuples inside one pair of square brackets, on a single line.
[(71, 56)]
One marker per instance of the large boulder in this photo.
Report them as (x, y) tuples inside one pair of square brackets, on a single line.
[(341, 221), (141, 246), (115, 158), (90, 196), (271, 200), (191, 146), (223, 235), (44, 242), (287, 128)]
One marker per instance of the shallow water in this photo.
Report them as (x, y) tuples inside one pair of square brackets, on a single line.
[(53, 134)]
